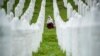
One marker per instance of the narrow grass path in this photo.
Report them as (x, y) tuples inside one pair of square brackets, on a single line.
[(36, 11), (49, 45), (62, 10)]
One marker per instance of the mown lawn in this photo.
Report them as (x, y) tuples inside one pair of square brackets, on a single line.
[(49, 45)]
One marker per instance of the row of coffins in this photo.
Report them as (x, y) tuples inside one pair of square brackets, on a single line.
[(79, 36), (17, 36)]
